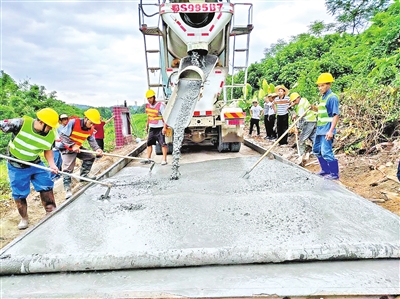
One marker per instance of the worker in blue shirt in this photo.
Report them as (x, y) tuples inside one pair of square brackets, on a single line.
[(328, 117)]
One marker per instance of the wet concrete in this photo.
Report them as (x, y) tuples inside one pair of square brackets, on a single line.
[(210, 216), (188, 95), (355, 279)]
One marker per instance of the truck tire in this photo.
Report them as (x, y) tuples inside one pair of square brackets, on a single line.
[(158, 149), (223, 147), (235, 146)]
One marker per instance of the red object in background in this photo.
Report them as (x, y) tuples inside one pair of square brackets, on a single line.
[(99, 130)]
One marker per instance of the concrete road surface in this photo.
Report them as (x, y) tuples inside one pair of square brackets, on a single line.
[(212, 216)]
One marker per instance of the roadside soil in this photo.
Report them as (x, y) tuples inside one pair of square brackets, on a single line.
[(371, 176)]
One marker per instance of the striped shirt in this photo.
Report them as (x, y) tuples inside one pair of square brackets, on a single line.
[(282, 105)]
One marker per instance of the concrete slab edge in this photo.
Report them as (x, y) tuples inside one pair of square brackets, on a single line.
[(193, 257)]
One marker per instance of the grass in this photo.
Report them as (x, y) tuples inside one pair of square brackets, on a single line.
[(138, 122), (5, 191)]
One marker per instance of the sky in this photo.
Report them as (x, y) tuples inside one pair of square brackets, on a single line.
[(92, 52)]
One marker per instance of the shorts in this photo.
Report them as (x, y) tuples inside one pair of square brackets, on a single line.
[(156, 135), (20, 179)]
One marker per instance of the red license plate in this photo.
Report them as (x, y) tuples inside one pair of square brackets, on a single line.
[(235, 122)]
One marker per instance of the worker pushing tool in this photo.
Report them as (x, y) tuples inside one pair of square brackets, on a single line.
[(72, 137), (63, 120), (30, 137), (307, 126), (328, 117), (157, 126)]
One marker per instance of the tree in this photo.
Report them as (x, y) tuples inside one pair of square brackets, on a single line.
[(317, 28), (354, 15)]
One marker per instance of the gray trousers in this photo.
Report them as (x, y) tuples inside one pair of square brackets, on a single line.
[(308, 131), (69, 159)]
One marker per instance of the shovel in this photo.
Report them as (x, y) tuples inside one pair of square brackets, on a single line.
[(247, 173), (106, 195), (120, 156)]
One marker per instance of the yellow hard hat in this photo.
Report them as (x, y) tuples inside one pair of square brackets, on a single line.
[(294, 96), (150, 93), (325, 78), (93, 115), (49, 117)]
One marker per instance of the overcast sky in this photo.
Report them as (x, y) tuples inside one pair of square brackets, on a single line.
[(91, 52)]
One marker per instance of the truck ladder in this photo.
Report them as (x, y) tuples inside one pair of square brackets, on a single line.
[(152, 36), (240, 48)]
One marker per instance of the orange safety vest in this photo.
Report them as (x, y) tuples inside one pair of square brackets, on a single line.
[(78, 135), (154, 114)]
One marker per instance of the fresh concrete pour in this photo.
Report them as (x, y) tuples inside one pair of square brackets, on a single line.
[(210, 216), (363, 279)]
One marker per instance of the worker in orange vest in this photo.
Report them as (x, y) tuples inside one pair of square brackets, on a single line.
[(72, 137), (157, 126)]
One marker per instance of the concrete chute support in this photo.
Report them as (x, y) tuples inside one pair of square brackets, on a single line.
[(175, 103)]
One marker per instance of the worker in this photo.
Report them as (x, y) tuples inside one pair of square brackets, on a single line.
[(157, 126), (30, 137), (282, 120), (63, 120), (328, 117), (72, 137), (307, 125), (256, 112), (99, 131), (269, 116), (398, 171)]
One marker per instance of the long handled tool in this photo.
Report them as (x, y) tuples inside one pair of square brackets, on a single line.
[(297, 143), (106, 195), (247, 173), (120, 156)]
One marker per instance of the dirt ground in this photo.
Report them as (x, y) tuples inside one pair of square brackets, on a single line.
[(372, 177)]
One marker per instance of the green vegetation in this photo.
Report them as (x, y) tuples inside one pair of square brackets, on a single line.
[(366, 68), (5, 191), (17, 100), (138, 122)]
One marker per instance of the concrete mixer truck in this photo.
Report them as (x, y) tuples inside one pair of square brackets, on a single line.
[(190, 48)]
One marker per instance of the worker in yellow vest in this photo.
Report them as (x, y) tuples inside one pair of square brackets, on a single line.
[(30, 137), (155, 126)]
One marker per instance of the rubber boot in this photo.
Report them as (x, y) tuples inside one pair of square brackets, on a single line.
[(324, 167), (334, 170), (85, 169), (22, 207), (48, 201), (67, 186)]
